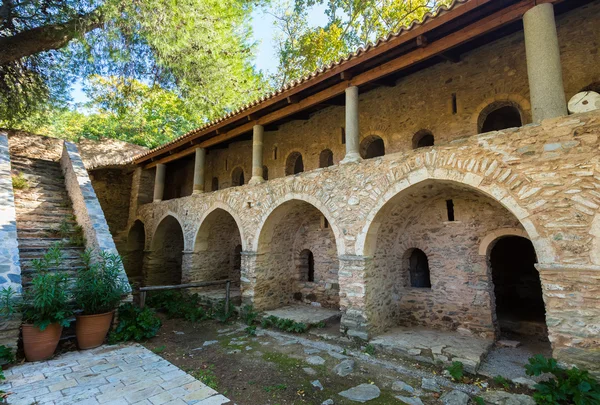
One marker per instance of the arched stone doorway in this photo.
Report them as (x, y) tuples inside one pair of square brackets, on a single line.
[(517, 287), (371, 147), (446, 221), (325, 158), (166, 255), (500, 115), (237, 177), (217, 250), (297, 260), (294, 164), (134, 259), (422, 139)]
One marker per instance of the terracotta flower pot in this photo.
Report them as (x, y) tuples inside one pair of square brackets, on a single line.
[(40, 345), (92, 329)]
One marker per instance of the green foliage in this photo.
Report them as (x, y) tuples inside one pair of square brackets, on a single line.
[(177, 304), (369, 349), (19, 182), (159, 349), (248, 315), (286, 325), (207, 375), (99, 286), (456, 370), (8, 302), (569, 386), (251, 330), (479, 400), (135, 324), (274, 388), (302, 48), (320, 325), (47, 299), (6, 355), (502, 381), (221, 313)]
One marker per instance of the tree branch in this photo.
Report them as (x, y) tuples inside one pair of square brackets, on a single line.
[(46, 38)]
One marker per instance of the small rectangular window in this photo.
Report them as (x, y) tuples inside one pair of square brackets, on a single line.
[(324, 223), (226, 168), (343, 136), (450, 209), (454, 104), (274, 152)]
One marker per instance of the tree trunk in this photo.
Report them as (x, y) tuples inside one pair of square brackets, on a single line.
[(45, 38)]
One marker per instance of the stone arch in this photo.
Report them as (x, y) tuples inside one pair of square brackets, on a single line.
[(294, 163), (218, 205), (215, 245), (237, 177), (325, 158), (365, 242), (290, 227), (422, 139), (165, 259), (325, 211), (499, 101), (134, 256), (372, 146), (487, 242)]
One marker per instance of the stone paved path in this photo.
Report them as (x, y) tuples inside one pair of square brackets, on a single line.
[(116, 375)]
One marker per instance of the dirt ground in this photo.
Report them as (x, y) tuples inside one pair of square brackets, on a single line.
[(262, 370)]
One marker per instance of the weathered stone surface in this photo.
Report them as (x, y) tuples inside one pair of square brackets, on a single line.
[(430, 384), (527, 382), (508, 343), (362, 393), (410, 400), (317, 384), (455, 397), (327, 402), (315, 360), (309, 371), (505, 398), (345, 368), (402, 386)]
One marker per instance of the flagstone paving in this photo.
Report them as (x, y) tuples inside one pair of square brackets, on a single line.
[(115, 375)]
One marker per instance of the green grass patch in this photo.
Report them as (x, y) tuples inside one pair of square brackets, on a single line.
[(19, 182), (206, 375)]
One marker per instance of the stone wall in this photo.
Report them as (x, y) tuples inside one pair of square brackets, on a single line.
[(494, 74), (10, 268), (86, 206), (546, 176), (163, 262)]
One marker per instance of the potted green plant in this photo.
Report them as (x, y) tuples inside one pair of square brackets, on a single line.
[(97, 292), (45, 306)]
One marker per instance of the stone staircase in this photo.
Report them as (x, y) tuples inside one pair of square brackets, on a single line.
[(44, 216)]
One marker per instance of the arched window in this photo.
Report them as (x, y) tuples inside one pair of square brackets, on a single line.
[(306, 266), (215, 184), (265, 173), (294, 164), (498, 116), (372, 147), (418, 268), (326, 158), (237, 177), (422, 139)]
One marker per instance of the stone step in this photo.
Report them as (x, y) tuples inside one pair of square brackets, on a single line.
[(27, 161), (37, 195), (46, 187), (38, 251), (36, 170), (42, 222), (44, 242), (68, 263), (37, 178), (24, 214), (54, 212), (43, 205)]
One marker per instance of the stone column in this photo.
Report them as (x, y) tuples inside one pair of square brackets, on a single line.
[(352, 130), (543, 63), (257, 155), (159, 182), (352, 277), (199, 170)]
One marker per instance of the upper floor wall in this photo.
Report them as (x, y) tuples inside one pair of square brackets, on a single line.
[(450, 100)]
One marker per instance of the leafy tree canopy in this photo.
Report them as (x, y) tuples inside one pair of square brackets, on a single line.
[(351, 23), (199, 49)]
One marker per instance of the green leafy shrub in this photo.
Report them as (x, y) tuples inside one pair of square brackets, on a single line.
[(456, 370), (369, 349), (286, 325), (99, 286), (251, 330), (6, 355), (176, 304), (8, 302), (47, 299), (502, 381), (19, 182), (207, 376), (135, 324), (248, 315), (569, 386)]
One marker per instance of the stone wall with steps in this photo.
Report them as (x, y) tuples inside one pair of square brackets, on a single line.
[(546, 176), (10, 267)]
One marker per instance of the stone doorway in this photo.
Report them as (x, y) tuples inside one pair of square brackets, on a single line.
[(517, 287), (166, 255)]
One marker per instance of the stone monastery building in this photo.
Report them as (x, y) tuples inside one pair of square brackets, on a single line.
[(438, 179)]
